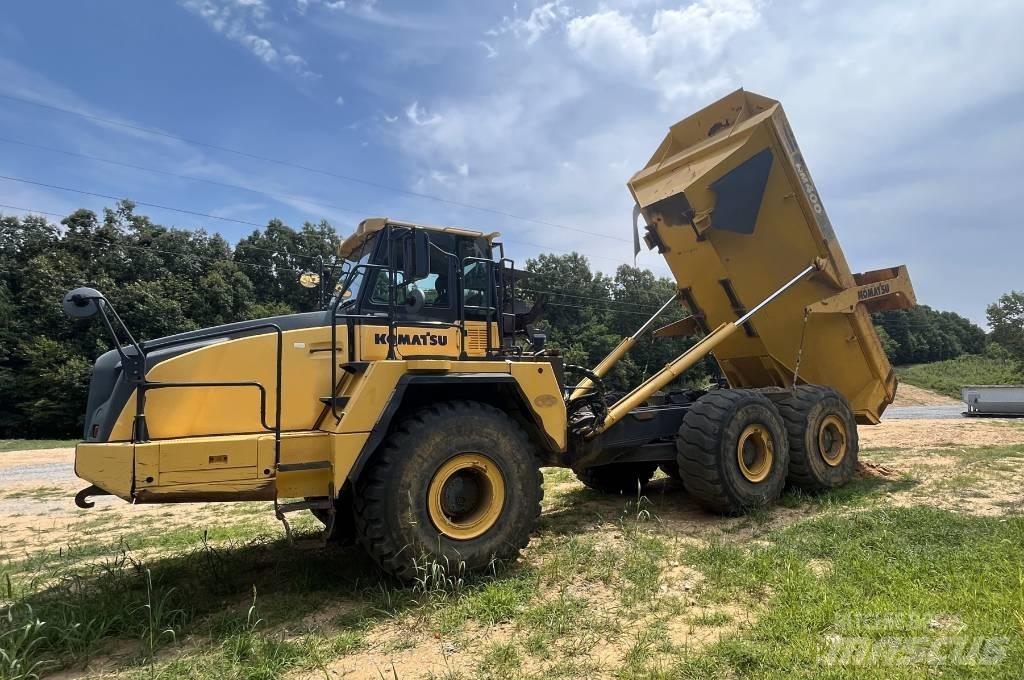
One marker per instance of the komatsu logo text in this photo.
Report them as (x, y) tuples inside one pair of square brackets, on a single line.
[(873, 291), (422, 339)]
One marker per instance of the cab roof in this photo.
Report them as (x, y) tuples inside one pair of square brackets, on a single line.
[(372, 225)]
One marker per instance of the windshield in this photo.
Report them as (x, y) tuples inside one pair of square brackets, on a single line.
[(354, 276)]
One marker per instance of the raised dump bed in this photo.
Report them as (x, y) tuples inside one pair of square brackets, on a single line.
[(729, 202)]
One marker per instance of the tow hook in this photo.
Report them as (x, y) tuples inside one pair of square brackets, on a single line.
[(82, 497)]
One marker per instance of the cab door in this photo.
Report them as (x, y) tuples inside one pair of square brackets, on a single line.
[(430, 328)]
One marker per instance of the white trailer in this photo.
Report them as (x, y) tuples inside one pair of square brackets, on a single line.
[(994, 400)]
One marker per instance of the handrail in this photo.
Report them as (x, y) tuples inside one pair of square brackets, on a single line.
[(491, 283), (239, 383), (334, 327)]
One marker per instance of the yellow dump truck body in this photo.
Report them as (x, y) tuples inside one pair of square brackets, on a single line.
[(730, 203), (208, 443)]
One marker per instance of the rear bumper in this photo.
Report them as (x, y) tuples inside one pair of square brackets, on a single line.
[(111, 467), (179, 471), (238, 467)]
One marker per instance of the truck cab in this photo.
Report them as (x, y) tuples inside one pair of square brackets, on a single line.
[(447, 299)]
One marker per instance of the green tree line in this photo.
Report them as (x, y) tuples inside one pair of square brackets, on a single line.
[(161, 280), (166, 280), (921, 335)]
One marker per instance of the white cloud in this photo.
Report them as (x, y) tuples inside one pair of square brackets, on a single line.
[(302, 6), (541, 19), (676, 55), (440, 177), (706, 25), (491, 52), (248, 23), (257, 7), (339, 100), (608, 40), (555, 131), (300, 66), (261, 47), (418, 116)]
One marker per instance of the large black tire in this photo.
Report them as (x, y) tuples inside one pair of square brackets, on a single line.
[(626, 479), (398, 506), (823, 444), (732, 451)]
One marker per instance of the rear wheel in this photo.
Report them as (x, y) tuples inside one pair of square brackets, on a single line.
[(732, 451), (627, 479), (455, 483), (823, 443)]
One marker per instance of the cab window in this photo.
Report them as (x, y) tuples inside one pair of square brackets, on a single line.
[(476, 279), (435, 285)]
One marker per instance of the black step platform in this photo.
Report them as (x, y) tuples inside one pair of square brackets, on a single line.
[(355, 367), (316, 504)]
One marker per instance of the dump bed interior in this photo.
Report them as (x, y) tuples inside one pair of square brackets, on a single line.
[(730, 203)]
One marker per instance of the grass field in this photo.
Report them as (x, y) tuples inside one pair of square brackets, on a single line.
[(904, 573), (35, 444), (947, 377)]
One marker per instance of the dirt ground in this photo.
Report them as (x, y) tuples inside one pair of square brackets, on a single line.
[(38, 511), (37, 488), (937, 462), (908, 395), (929, 434)]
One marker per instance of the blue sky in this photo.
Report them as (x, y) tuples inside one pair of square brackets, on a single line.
[(909, 115)]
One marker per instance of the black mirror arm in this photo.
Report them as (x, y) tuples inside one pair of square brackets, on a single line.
[(135, 365)]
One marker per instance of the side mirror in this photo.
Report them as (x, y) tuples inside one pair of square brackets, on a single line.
[(416, 256), (309, 279), (82, 303), (414, 301)]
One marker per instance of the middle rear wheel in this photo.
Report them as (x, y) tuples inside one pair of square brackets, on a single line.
[(732, 451), (823, 440)]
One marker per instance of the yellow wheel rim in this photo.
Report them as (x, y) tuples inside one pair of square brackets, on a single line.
[(755, 453), (466, 496), (832, 440)]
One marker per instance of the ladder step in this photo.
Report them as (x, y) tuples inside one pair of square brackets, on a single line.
[(355, 367), (311, 465), (322, 504), (339, 401)]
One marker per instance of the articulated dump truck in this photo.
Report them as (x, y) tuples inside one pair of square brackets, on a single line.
[(413, 414)]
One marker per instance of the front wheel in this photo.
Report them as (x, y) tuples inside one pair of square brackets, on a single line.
[(457, 483), (732, 451)]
